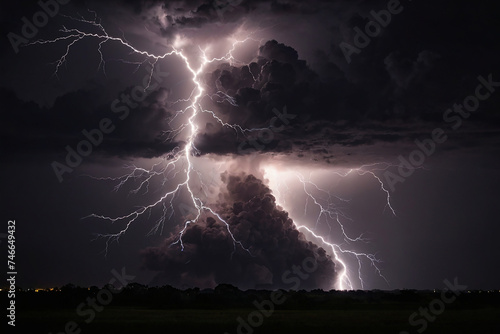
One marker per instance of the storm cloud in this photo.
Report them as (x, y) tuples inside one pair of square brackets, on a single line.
[(211, 257)]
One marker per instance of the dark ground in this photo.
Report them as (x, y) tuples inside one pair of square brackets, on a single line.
[(138, 309)]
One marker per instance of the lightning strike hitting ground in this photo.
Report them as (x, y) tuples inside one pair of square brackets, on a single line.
[(180, 160), (331, 210)]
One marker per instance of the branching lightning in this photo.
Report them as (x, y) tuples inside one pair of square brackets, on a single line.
[(178, 156), (180, 161), (330, 210)]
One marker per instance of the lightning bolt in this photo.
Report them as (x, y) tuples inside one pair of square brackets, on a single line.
[(371, 169), (180, 161), (331, 210), (169, 167)]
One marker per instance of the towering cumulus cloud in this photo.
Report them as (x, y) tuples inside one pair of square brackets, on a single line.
[(275, 246)]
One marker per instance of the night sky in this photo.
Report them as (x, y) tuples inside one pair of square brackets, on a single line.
[(377, 119)]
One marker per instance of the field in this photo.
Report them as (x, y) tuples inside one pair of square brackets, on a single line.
[(389, 319)]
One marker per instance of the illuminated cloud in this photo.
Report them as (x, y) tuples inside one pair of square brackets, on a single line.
[(210, 257)]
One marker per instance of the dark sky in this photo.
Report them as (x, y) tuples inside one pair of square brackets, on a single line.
[(328, 101)]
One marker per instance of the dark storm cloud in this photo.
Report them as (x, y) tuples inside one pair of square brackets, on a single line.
[(35, 130), (209, 19), (265, 229), (321, 113), (392, 92)]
